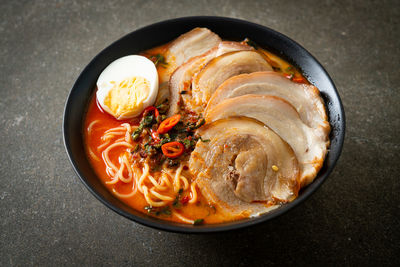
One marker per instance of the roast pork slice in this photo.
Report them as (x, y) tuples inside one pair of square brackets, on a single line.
[(243, 164), (283, 119), (305, 98), (186, 46), (181, 79), (219, 69)]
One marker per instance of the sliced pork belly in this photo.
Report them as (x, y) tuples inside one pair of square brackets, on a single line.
[(219, 69), (186, 46), (283, 119), (244, 162), (305, 98), (182, 77)]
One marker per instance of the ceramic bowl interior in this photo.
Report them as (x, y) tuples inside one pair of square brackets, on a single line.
[(163, 32)]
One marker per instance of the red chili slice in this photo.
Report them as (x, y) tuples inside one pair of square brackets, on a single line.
[(173, 149), (155, 136), (151, 108), (168, 124)]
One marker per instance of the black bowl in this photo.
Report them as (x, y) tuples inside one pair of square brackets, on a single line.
[(160, 33)]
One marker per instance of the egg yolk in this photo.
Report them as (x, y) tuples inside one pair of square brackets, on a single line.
[(126, 98)]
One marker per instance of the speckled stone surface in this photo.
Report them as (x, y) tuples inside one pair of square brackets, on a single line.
[(49, 218)]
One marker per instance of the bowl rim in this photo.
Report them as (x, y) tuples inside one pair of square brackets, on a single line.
[(208, 228)]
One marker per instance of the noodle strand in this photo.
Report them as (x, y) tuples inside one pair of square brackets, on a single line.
[(156, 190)]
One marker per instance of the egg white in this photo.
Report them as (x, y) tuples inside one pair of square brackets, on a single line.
[(123, 68)]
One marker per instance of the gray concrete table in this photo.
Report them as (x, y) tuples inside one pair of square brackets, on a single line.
[(49, 218)]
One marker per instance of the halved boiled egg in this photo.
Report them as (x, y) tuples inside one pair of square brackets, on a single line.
[(127, 86)]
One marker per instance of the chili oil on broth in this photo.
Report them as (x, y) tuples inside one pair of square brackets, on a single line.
[(97, 123)]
